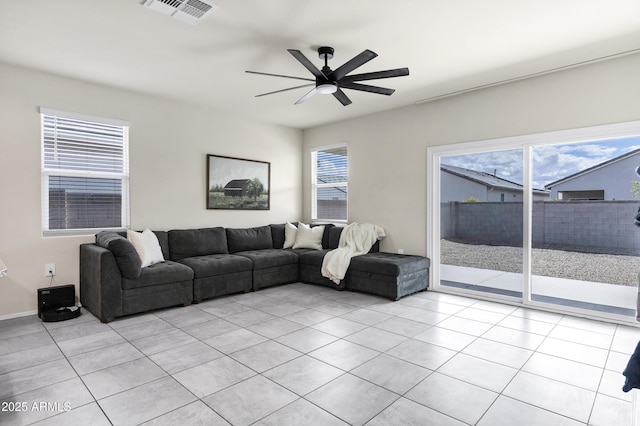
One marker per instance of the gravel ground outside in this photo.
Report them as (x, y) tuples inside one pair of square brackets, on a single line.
[(617, 269)]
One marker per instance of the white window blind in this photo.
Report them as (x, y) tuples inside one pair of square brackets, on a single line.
[(330, 183), (85, 173)]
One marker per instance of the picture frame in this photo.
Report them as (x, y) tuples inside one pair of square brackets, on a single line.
[(237, 183)]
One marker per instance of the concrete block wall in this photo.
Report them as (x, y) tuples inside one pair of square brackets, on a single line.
[(488, 222), (447, 223), (597, 226)]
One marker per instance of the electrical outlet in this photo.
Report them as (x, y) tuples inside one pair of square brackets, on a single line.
[(49, 269), (400, 251)]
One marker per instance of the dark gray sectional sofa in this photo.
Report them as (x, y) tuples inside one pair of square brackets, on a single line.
[(205, 263)]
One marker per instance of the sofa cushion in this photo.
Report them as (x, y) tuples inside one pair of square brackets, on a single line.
[(312, 257), (270, 258), (290, 233), (185, 243), (159, 273), (217, 264), (308, 237), (327, 230), (334, 237), (277, 235), (389, 264), (147, 245), (126, 255), (163, 240), (249, 239), (159, 296)]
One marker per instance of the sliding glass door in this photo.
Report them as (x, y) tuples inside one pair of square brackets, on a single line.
[(481, 198), (585, 246), (544, 220)]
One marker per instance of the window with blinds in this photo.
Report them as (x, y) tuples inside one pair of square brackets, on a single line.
[(85, 173), (329, 183)]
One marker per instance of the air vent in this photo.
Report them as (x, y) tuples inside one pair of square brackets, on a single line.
[(189, 11)]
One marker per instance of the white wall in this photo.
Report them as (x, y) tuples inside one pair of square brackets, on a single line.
[(168, 144), (387, 151)]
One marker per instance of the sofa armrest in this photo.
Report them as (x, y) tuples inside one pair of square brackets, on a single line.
[(100, 282)]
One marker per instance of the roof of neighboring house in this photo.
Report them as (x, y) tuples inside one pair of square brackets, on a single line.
[(331, 178), (237, 184), (593, 168), (486, 179)]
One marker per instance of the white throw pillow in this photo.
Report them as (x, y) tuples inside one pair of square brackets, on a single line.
[(147, 245), (290, 232), (308, 237)]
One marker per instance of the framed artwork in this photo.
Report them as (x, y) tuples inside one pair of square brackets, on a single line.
[(237, 184)]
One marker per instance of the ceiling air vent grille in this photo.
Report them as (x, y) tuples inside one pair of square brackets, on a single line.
[(189, 11)]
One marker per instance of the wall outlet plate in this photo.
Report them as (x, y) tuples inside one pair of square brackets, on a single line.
[(49, 269)]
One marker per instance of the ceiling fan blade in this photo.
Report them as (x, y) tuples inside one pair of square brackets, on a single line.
[(307, 96), (366, 88), (352, 64), (284, 90), (398, 72), (306, 63), (279, 75), (342, 97)]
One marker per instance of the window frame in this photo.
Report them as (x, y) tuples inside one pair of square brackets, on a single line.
[(46, 173), (527, 143), (315, 185)]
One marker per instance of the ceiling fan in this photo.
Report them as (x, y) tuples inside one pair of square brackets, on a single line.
[(328, 81)]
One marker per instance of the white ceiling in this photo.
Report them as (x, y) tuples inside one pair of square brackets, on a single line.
[(448, 45)]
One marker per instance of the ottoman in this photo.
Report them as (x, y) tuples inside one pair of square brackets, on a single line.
[(388, 274)]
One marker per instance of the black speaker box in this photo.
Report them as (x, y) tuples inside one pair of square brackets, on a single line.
[(57, 303)]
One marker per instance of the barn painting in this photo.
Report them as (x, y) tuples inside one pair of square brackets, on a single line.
[(236, 188), (236, 183)]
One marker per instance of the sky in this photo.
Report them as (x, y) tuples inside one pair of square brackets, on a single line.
[(224, 169), (550, 163)]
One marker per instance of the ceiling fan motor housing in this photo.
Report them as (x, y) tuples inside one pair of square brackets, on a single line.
[(324, 84), (325, 52)]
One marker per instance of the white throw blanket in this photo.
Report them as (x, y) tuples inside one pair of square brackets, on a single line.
[(356, 239)]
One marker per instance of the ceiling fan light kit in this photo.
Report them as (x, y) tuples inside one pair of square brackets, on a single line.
[(328, 81), (327, 88)]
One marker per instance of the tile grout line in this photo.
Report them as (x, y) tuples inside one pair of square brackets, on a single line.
[(258, 307), (79, 378)]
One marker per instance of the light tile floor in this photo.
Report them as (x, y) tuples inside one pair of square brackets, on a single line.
[(307, 355)]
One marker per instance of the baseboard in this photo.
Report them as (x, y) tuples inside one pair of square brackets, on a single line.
[(25, 314), (18, 315)]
